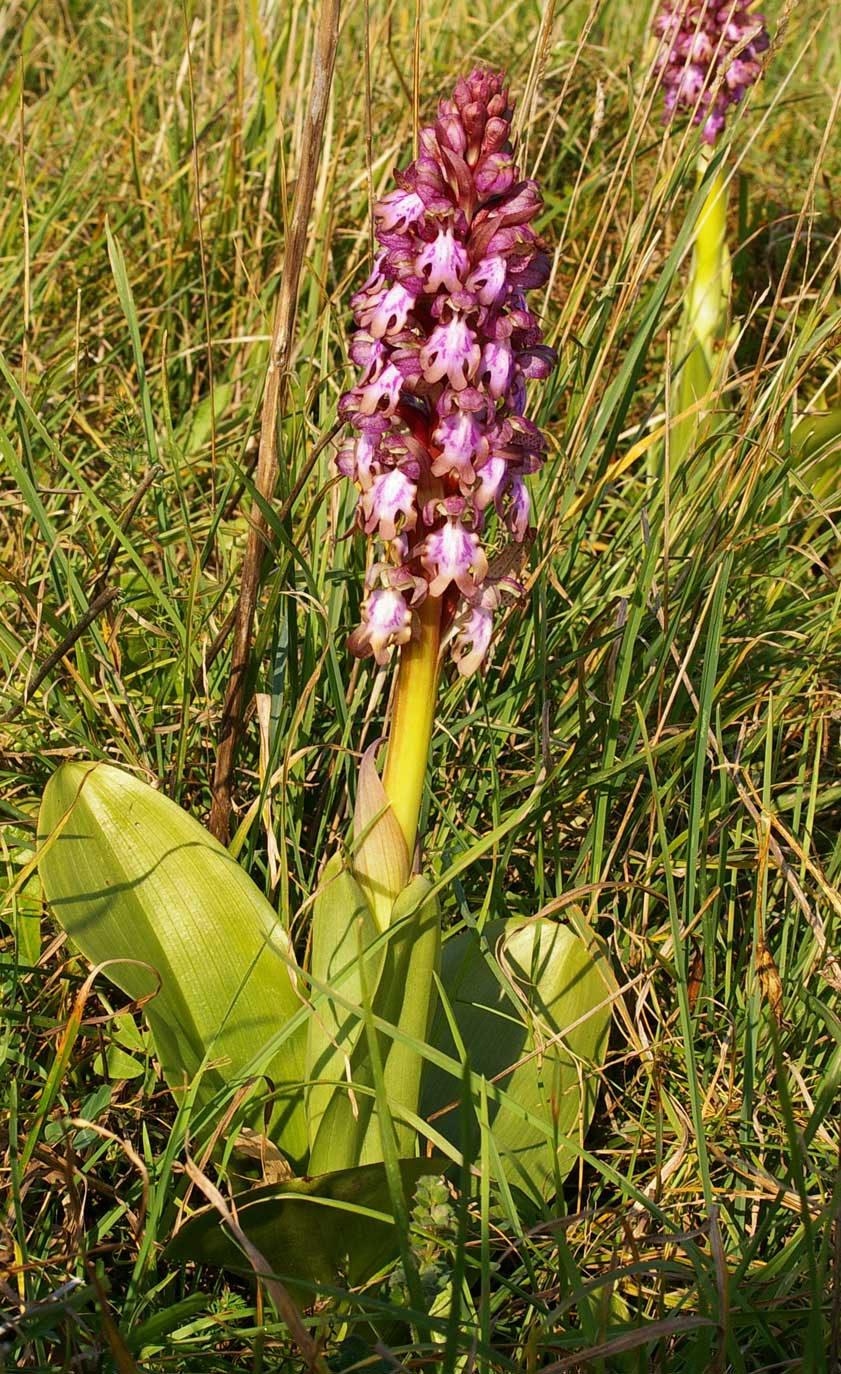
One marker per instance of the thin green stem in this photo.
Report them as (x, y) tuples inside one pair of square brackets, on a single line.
[(411, 725)]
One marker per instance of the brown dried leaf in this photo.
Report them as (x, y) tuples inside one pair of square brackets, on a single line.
[(274, 1165), (769, 980), (696, 977)]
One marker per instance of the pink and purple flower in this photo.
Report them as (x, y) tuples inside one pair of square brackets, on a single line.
[(709, 57), (445, 342)]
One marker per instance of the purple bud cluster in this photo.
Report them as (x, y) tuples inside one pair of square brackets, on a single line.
[(708, 58), (445, 343)]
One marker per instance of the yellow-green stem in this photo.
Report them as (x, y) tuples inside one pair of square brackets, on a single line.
[(709, 288), (411, 725), (704, 318)]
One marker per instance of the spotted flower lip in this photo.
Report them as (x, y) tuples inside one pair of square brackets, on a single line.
[(708, 58), (496, 367), (461, 439), (384, 312), (389, 504), (473, 632), (452, 352), (398, 211), (442, 262), (381, 392), (453, 554), (445, 346), (387, 621)]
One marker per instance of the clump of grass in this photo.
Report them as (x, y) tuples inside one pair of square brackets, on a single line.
[(652, 755)]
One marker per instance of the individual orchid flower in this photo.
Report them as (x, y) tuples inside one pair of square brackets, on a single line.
[(387, 611)]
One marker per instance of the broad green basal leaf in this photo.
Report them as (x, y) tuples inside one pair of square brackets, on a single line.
[(131, 876), (343, 927), (526, 999), (405, 999), (310, 1230), (349, 1131)]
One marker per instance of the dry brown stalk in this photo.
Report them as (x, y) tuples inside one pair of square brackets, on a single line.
[(324, 57)]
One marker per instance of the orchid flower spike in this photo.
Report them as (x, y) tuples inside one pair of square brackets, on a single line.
[(708, 58), (445, 343)]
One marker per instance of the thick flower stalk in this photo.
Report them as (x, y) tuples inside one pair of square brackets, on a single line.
[(445, 343), (708, 58)]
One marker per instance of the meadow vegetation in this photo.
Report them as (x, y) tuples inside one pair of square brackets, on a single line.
[(653, 751)]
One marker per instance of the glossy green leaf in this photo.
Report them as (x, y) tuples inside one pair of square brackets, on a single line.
[(196, 430), (404, 998), (350, 1132), (818, 431), (704, 324), (517, 996), (132, 877), (310, 1230), (342, 929), (156, 1329)]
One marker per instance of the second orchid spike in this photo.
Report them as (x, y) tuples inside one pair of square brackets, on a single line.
[(708, 58)]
